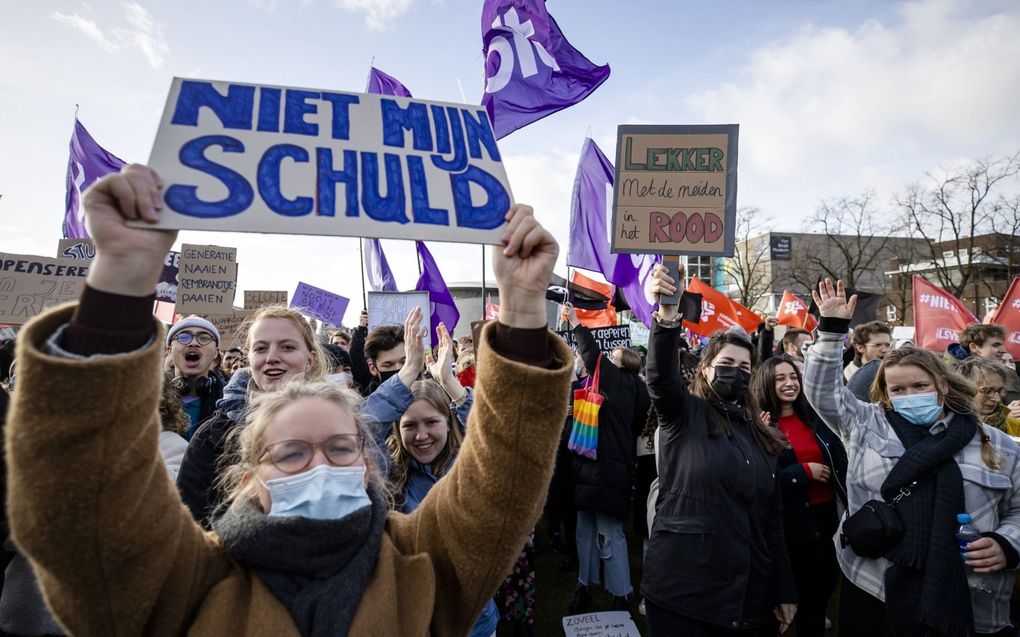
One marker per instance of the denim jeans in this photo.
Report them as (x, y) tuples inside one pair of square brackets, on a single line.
[(600, 537)]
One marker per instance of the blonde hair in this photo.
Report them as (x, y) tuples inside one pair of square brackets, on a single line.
[(465, 360), (958, 397), (319, 365), (248, 441)]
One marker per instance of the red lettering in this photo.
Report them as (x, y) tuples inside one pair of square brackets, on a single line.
[(695, 227), (677, 227), (657, 227), (713, 227)]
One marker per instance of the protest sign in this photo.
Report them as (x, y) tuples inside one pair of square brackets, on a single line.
[(7, 334), (166, 289), (675, 190), (607, 338), (391, 308), (82, 249), (322, 304), (230, 326), (30, 284), (253, 158), (254, 299), (207, 279), (607, 624)]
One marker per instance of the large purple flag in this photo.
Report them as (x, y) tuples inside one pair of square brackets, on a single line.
[(530, 69), (383, 84), (88, 162), (589, 235), (442, 307), (377, 268)]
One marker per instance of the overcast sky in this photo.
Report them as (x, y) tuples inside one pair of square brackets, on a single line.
[(832, 97)]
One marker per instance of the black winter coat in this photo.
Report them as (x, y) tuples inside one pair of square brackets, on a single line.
[(717, 552), (200, 468), (605, 485), (799, 521)]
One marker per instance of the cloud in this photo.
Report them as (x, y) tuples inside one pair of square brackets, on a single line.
[(378, 13), (144, 34)]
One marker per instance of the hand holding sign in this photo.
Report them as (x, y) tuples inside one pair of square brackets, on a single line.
[(414, 348), (128, 260), (523, 268), (661, 284)]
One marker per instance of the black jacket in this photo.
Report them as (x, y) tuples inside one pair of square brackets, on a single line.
[(367, 383), (604, 485), (799, 521), (717, 552), (200, 468)]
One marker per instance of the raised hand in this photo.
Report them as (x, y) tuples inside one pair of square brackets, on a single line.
[(128, 260), (523, 267), (832, 302), (441, 366), (571, 314), (661, 284), (414, 347)]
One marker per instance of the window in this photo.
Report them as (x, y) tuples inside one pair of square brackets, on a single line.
[(890, 313), (700, 267)]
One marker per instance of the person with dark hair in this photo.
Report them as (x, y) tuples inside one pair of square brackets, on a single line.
[(813, 474), (989, 342), (871, 342), (376, 357), (230, 357), (603, 486), (191, 343), (717, 561), (920, 444), (793, 343)]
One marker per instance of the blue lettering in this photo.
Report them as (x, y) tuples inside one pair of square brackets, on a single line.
[(423, 213), (294, 112), (269, 181), (479, 130), (442, 132), (184, 199), (489, 215), (415, 117), (328, 178), (388, 208), (269, 110), (460, 160), (341, 117), (234, 110)]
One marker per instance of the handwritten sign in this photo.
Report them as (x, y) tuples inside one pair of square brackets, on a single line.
[(675, 190), (231, 326), (608, 624), (207, 280), (391, 308), (254, 299), (322, 304), (30, 284), (80, 249), (255, 158), (607, 338)]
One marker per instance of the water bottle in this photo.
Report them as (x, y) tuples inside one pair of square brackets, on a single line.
[(965, 534)]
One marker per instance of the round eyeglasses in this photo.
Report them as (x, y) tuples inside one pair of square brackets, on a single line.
[(202, 338), (294, 456), (990, 391)]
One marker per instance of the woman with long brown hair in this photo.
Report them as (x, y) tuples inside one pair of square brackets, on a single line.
[(717, 562)]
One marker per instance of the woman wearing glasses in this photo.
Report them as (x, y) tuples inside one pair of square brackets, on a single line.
[(308, 544), (717, 561), (990, 379)]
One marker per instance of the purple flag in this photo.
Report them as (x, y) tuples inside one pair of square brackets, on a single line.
[(383, 84), (443, 309), (87, 163), (530, 69), (380, 277), (589, 235)]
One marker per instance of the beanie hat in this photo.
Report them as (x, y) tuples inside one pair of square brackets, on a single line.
[(337, 356), (193, 321)]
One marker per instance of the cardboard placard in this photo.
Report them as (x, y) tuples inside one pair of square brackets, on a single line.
[(605, 624), (608, 338), (7, 334), (255, 158), (207, 280), (230, 326), (391, 308), (675, 190), (30, 284), (254, 299), (322, 304), (166, 289), (82, 249)]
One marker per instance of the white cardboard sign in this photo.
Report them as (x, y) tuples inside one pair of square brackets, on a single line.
[(391, 308), (255, 158), (608, 624)]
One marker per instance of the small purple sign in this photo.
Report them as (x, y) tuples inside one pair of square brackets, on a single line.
[(322, 304), (166, 289)]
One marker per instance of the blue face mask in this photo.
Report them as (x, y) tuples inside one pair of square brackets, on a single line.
[(321, 493), (918, 409)]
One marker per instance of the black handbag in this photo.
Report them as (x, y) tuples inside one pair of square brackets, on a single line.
[(874, 528)]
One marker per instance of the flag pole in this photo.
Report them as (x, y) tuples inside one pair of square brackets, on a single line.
[(483, 282), (361, 257)]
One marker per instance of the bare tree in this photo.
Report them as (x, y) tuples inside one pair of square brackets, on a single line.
[(749, 269), (1006, 221), (953, 207)]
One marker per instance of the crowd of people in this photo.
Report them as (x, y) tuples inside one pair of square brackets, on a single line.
[(355, 482)]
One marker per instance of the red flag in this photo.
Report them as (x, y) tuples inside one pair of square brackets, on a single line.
[(794, 313), (939, 317), (491, 309), (719, 312), (1008, 316), (595, 318)]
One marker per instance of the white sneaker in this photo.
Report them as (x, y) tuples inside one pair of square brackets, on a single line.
[(828, 624), (641, 607)]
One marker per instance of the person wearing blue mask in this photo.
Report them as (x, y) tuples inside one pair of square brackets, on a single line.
[(919, 438)]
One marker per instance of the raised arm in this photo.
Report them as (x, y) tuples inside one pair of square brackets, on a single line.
[(359, 366), (666, 387), (767, 339)]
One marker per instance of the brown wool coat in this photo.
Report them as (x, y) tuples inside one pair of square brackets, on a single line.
[(118, 554)]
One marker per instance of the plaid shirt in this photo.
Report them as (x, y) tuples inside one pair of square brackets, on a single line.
[(992, 496)]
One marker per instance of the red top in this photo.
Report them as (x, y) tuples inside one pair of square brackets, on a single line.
[(467, 377), (805, 447)]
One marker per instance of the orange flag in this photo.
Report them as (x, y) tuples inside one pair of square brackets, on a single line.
[(595, 318), (719, 312), (939, 317), (1008, 316), (794, 313)]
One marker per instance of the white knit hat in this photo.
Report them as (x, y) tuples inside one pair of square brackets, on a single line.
[(193, 321)]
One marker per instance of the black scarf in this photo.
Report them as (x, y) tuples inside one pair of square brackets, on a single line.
[(926, 590), (318, 569)]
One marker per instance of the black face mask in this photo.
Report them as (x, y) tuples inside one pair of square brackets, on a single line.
[(730, 383), (385, 376)]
